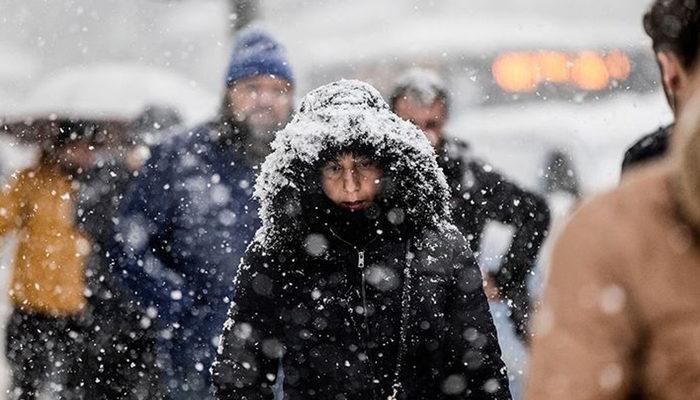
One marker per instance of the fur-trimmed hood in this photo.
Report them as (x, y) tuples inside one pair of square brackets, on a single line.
[(343, 115)]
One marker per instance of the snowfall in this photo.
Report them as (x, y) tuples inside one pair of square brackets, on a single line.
[(114, 57)]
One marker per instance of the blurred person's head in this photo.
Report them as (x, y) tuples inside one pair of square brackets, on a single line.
[(420, 96), (72, 149), (351, 180), (673, 26), (259, 87)]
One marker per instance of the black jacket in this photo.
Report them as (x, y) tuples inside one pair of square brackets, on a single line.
[(118, 355), (650, 147), (479, 195), (314, 308), (356, 303)]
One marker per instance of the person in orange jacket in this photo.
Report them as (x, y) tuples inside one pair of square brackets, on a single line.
[(47, 285)]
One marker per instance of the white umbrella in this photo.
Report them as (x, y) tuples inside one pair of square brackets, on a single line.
[(116, 92)]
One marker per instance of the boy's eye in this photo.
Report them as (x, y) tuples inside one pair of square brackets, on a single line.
[(331, 168), (364, 163)]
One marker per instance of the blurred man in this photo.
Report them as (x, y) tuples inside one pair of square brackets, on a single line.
[(190, 215), (670, 25), (621, 312), (479, 193)]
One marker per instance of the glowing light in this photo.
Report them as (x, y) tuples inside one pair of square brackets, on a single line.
[(589, 71), (515, 72), (553, 66), (618, 65), (522, 72)]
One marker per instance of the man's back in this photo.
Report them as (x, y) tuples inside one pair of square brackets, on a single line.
[(624, 282)]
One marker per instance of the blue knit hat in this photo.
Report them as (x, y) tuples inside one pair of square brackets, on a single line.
[(257, 53)]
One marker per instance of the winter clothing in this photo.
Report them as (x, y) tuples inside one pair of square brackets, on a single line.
[(479, 195), (48, 270), (360, 304), (47, 285), (257, 53), (41, 349), (118, 360), (560, 174), (648, 148), (181, 233), (621, 311)]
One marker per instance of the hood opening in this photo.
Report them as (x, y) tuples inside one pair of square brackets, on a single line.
[(339, 117)]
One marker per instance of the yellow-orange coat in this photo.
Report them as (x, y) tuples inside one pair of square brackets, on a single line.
[(48, 267)]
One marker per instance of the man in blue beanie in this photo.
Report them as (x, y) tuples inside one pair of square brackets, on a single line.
[(190, 215), (259, 83)]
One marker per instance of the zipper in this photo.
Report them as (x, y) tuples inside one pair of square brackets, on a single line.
[(361, 266)]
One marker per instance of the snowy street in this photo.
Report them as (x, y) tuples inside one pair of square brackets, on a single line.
[(222, 199)]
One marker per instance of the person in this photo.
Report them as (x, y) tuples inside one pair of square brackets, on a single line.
[(190, 215), (672, 26), (619, 318), (357, 280), (119, 356), (47, 282), (479, 193)]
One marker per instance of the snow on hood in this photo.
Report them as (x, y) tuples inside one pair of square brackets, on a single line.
[(339, 116)]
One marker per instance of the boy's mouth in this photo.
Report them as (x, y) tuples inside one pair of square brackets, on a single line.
[(354, 205)]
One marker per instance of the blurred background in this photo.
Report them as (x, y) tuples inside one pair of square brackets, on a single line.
[(525, 76), (528, 79)]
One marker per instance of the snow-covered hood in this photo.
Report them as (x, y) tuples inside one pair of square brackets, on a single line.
[(342, 115)]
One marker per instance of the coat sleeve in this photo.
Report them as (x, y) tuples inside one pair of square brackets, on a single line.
[(473, 354), (251, 346), (140, 250), (10, 206), (528, 214), (586, 330)]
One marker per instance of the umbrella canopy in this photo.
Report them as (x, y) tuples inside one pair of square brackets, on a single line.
[(114, 92), (47, 131)]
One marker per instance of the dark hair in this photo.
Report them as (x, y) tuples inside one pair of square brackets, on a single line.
[(673, 26)]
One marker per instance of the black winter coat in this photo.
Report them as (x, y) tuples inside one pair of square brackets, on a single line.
[(481, 194), (338, 318), (649, 147), (354, 305), (118, 355)]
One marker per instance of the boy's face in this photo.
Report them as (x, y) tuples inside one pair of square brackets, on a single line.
[(351, 182)]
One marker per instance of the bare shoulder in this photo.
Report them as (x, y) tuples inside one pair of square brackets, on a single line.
[(641, 199), (626, 219)]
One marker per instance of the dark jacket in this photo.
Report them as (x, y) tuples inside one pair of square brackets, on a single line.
[(356, 304), (118, 360), (181, 234), (479, 195), (650, 147)]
